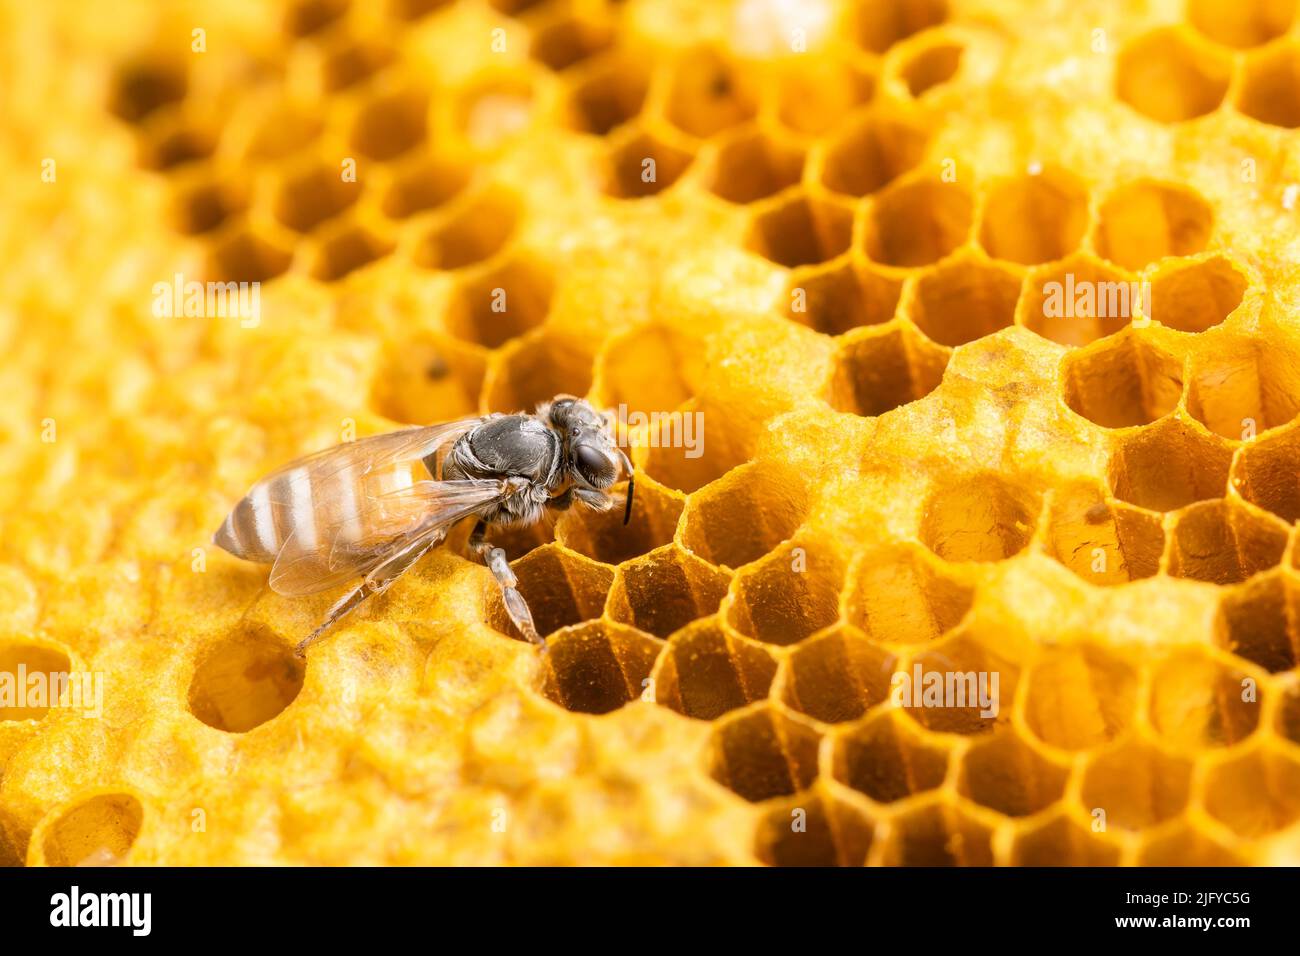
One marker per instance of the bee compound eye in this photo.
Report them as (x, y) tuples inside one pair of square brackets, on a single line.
[(591, 462)]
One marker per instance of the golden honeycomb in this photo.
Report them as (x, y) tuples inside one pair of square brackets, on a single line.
[(831, 230)]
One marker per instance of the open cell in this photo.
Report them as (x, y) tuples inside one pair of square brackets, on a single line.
[(1260, 622), (347, 250), (879, 370), (1137, 785), (900, 595), (351, 61), (175, 142), (706, 672), (428, 378), (1122, 381), (800, 230), (644, 165), (143, 86), (1104, 542), (1196, 701), (959, 685), (23, 659), (888, 758), (98, 831), (602, 535), (307, 17), (1267, 473), (932, 65), (879, 24), (1169, 465), (1058, 840), (1032, 219), (597, 667), (762, 753), (608, 95), (1146, 220), (423, 185), (676, 454), (245, 256), (871, 152), (833, 834), (1079, 300), (841, 295), (1186, 845), (1241, 23), (1270, 87), (1255, 794), (502, 304), (982, 517), (389, 125), (707, 93), (837, 676), (938, 834), (244, 679), (745, 514), (753, 166), (1006, 774), (964, 300), (1222, 542), (534, 369), (917, 222), (1240, 389), (648, 369), (568, 40), (788, 595), (308, 197), (203, 205), (1080, 697), (1195, 296), (1168, 77), (814, 95), (561, 588), (665, 590), (475, 231)]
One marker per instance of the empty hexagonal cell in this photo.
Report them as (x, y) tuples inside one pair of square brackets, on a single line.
[(519, 540), (561, 588), (305, 17), (837, 676), (1195, 296), (814, 830), (901, 595), (706, 672), (1197, 701), (496, 306), (1239, 389), (244, 679), (597, 667), (423, 185), (144, 85), (647, 369), (204, 204), (174, 140), (677, 455), (665, 590), (1270, 86), (956, 686), (21, 658), (390, 124), (917, 222), (602, 535), (1186, 845), (1006, 774), (1168, 77), (349, 60), (1224, 543), (1079, 697), (1146, 220), (535, 368), (1241, 25), (95, 831), (1265, 473), (878, 370), (275, 130), (415, 9), (870, 152), (1079, 300), (800, 229), (1122, 381), (813, 95), (426, 378), (643, 164), (841, 295), (346, 250), (246, 256), (568, 39), (1102, 541), (879, 24), (984, 517), (513, 8), (708, 93), (788, 595), (745, 513), (934, 63), (608, 94), (762, 753), (965, 299), (938, 834), (1058, 840), (1035, 218), (888, 758), (752, 166), (1260, 622), (308, 197), (1169, 465), (1288, 715), (1255, 794), (475, 231), (1136, 785)]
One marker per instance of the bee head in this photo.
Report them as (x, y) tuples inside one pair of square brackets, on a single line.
[(592, 453)]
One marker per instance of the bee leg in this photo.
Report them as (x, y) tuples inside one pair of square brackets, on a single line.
[(495, 559)]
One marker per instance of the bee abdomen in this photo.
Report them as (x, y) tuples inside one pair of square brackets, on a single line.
[(250, 531)]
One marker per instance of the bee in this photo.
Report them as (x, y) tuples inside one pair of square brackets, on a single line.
[(369, 509)]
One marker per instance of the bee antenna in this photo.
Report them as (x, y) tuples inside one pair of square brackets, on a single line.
[(631, 486)]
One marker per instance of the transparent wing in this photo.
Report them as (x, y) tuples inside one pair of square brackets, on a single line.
[(376, 452)]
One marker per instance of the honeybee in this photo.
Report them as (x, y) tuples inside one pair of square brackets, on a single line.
[(371, 508)]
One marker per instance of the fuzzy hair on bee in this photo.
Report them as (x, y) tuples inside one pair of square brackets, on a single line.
[(371, 508)]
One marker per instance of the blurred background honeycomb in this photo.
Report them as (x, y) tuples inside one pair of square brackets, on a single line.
[(830, 229)]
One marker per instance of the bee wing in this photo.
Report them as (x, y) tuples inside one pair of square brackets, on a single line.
[(350, 544), (375, 452)]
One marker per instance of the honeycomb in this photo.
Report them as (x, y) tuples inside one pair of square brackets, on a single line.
[(830, 233)]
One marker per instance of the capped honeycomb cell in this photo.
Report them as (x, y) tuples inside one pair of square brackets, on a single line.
[(817, 830), (1258, 622), (1057, 840), (745, 514), (870, 152), (244, 679), (425, 184), (1265, 471), (1268, 86), (1170, 77), (1254, 794), (1169, 465), (1122, 381), (752, 166), (1006, 774), (762, 753), (878, 370), (1240, 389), (475, 231), (841, 295), (1136, 785), (1147, 219), (800, 229), (21, 659), (788, 595), (983, 517), (1197, 701), (1035, 218), (1196, 296), (610, 93), (965, 299), (887, 757), (602, 535), (307, 198), (938, 834), (917, 222), (561, 588), (390, 124), (901, 596), (644, 164), (347, 249), (932, 64), (707, 93), (1223, 543), (1102, 541), (1241, 25), (500, 304), (97, 831), (879, 25), (705, 671), (597, 667), (665, 590), (1079, 698), (837, 675)]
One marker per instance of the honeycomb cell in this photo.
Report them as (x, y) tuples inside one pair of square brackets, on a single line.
[(1103, 542), (931, 65), (1255, 794), (965, 299), (1079, 300), (665, 590), (1005, 774), (762, 753), (243, 679), (492, 111), (608, 95), (476, 230), (349, 61), (1258, 622), (1269, 87), (799, 230), (788, 595), (561, 588), (98, 831), (1265, 473), (837, 676), (1035, 218), (1196, 701), (21, 659), (1288, 715), (707, 94), (597, 667), (917, 222), (428, 378), (984, 517), (745, 514), (519, 540), (142, 86), (1136, 785), (706, 672), (753, 165), (957, 686), (677, 455), (841, 295), (1238, 391), (648, 369), (534, 369), (1168, 77), (878, 370), (888, 757), (308, 197), (307, 17), (275, 132), (513, 8), (346, 250), (390, 124), (425, 184), (1169, 465), (569, 39), (415, 9), (816, 830), (1241, 25), (1080, 697), (500, 304), (879, 24), (644, 164), (1185, 846), (900, 595), (1195, 296), (1057, 840), (204, 204), (1122, 381), (1146, 220), (869, 153), (1223, 543), (938, 834), (244, 255), (812, 98), (602, 535), (175, 141)]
